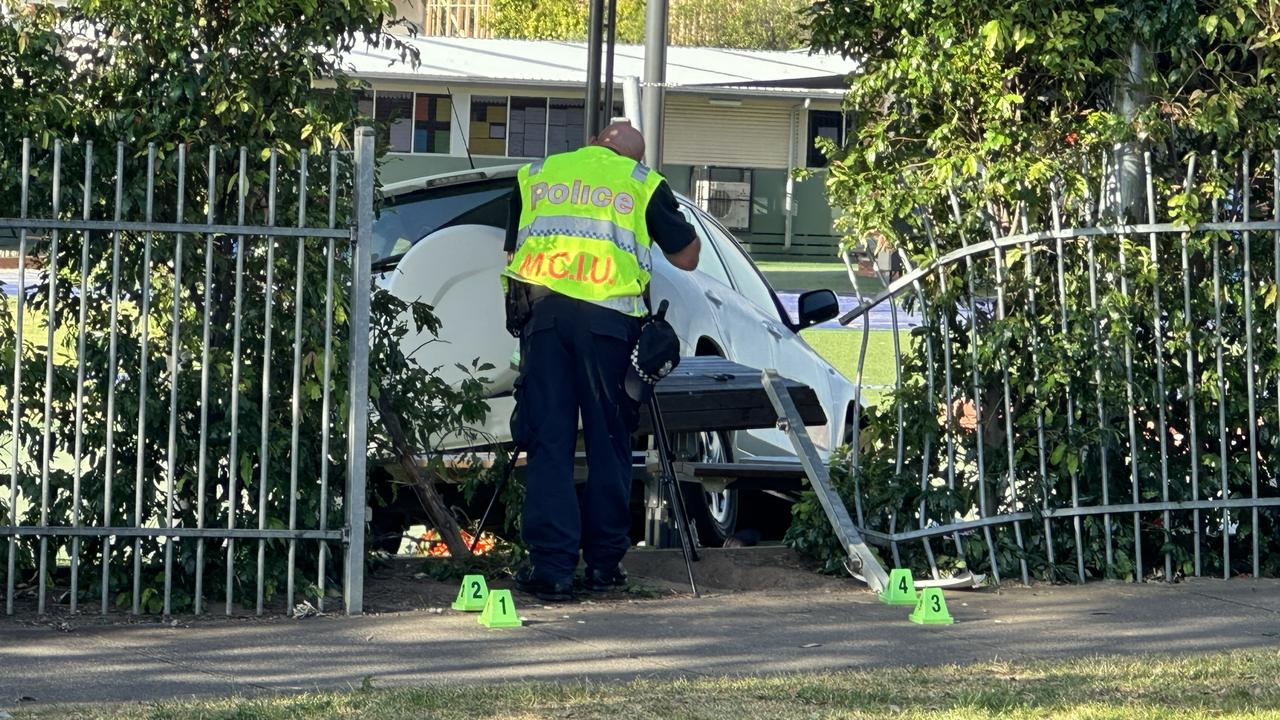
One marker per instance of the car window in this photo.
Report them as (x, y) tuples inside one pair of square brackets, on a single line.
[(746, 279), (406, 219), (708, 259)]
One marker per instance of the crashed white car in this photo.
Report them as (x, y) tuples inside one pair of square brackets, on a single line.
[(439, 240)]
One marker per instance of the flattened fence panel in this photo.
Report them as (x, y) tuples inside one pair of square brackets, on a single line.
[(1121, 417)]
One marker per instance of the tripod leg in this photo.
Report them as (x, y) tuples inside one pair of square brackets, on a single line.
[(497, 490), (681, 520), (675, 499)]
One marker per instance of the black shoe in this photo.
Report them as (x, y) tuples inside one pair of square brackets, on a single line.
[(546, 590), (611, 580)]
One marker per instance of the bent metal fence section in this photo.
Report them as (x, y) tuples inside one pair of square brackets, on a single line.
[(1098, 398), (179, 401)]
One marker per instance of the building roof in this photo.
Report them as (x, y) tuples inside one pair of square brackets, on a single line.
[(556, 63)]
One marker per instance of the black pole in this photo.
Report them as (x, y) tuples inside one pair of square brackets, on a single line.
[(611, 41), (502, 480), (592, 108), (675, 499)]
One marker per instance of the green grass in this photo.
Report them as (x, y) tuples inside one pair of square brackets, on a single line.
[(1225, 685), (841, 347), (793, 276)]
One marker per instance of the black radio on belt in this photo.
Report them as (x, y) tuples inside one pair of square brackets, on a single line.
[(519, 306)]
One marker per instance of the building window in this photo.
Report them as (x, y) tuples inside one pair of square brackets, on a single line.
[(488, 125), (522, 127), (431, 123), (565, 126), (823, 124), (396, 110), (527, 133)]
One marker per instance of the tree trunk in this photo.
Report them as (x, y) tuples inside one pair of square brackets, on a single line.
[(436, 510)]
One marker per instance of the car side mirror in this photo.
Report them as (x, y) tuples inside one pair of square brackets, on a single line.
[(817, 306)]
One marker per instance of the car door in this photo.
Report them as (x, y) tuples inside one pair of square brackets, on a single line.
[(769, 340)]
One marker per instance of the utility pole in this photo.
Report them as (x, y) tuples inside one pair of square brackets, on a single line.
[(595, 19), (655, 78), (610, 44)]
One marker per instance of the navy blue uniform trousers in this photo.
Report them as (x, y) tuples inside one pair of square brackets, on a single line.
[(573, 360)]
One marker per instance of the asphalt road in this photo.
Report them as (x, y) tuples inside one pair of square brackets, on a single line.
[(823, 626)]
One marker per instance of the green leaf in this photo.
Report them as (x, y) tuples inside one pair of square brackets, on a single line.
[(991, 33)]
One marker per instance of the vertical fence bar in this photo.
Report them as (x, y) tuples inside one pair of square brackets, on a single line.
[(855, 454), (947, 382), (52, 322), (900, 438), (324, 381), (1250, 371), (264, 459), (1100, 342), (1076, 523), (233, 460), (928, 437), (1191, 364), (1011, 476), (1102, 413), (1222, 384), (977, 391), (144, 321), (173, 382), (78, 452), (1127, 331), (1275, 215), (109, 470), (297, 376), (202, 461), (357, 435), (1158, 332), (1030, 275), (14, 472)]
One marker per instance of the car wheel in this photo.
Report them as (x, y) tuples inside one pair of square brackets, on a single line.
[(715, 513)]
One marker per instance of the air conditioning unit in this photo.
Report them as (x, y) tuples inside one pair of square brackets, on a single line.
[(728, 202)]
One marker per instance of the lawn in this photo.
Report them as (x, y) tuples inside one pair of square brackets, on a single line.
[(1224, 685), (841, 347), (795, 276)]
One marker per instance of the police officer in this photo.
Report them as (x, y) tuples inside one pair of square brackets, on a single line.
[(582, 252)]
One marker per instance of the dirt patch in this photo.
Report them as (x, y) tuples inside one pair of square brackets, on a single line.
[(767, 568), (403, 584)]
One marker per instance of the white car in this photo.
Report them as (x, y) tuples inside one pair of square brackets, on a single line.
[(439, 240)]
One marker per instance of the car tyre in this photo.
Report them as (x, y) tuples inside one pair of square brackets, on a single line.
[(714, 513)]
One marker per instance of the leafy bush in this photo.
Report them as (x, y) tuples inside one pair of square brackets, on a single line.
[(1008, 105)]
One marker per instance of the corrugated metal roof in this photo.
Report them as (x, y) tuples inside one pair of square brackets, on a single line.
[(547, 62)]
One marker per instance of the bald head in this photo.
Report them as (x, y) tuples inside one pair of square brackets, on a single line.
[(623, 139)]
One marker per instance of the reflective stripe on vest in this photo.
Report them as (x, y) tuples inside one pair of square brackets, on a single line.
[(570, 226), (582, 228)]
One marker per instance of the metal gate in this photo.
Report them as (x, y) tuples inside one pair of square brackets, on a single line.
[(187, 373), (1096, 400)]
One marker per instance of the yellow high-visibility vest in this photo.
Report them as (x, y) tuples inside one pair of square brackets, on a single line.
[(582, 230)]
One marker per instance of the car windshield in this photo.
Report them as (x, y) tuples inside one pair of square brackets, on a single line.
[(406, 219)]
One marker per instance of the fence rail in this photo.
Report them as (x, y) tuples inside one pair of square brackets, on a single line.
[(1100, 400), (162, 347)]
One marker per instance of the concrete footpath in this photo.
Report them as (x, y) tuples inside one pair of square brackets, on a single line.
[(831, 626)]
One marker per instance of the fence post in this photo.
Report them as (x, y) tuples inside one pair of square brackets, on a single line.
[(358, 383)]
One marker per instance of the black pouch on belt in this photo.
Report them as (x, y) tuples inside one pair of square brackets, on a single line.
[(519, 303)]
